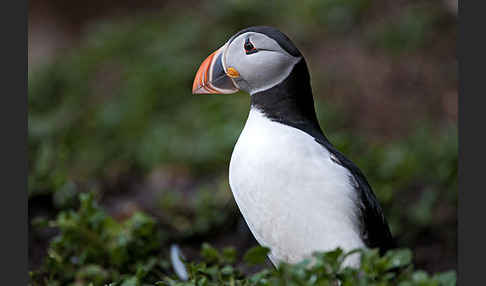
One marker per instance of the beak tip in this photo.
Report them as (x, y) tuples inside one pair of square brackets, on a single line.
[(199, 90)]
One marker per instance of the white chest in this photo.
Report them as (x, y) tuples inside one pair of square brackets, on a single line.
[(294, 198)]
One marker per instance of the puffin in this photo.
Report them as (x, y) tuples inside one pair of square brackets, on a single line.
[(297, 193)]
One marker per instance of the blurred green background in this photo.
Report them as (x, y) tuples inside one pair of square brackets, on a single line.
[(111, 111)]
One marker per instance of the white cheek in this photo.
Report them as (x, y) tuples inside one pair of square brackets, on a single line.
[(267, 69), (264, 69)]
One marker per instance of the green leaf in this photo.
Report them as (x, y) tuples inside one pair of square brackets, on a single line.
[(227, 270), (446, 279), (132, 281), (210, 254), (229, 255), (92, 272), (398, 258), (420, 276), (256, 255)]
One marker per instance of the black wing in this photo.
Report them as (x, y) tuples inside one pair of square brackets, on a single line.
[(374, 227)]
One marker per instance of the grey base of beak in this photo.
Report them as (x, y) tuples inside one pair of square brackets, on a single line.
[(219, 78)]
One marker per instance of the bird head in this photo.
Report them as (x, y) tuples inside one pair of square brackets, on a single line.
[(253, 60)]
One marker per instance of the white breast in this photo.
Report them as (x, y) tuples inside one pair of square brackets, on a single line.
[(294, 198)]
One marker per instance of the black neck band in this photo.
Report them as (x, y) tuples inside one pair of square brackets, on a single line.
[(290, 102)]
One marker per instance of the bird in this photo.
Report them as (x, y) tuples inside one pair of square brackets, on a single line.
[(297, 193)]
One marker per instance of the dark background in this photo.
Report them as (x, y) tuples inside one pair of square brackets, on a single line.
[(111, 111)]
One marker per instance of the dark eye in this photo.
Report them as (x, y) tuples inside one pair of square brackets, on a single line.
[(249, 48)]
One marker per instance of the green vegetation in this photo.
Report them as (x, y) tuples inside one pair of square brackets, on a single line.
[(93, 249), (115, 117)]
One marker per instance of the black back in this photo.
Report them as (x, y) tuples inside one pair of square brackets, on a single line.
[(291, 103)]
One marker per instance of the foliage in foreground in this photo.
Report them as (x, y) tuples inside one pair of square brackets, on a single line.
[(394, 268), (94, 249)]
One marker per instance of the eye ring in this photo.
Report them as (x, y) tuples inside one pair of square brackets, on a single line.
[(249, 48)]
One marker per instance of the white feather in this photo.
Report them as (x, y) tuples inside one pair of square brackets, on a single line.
[(294, 198), (177, 264)]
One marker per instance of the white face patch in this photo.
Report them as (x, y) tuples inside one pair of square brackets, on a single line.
[(261, 70)]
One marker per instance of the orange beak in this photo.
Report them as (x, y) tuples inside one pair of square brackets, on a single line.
[(211, 77)]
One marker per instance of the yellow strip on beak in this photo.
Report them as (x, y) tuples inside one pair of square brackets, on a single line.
[(231, 72)]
